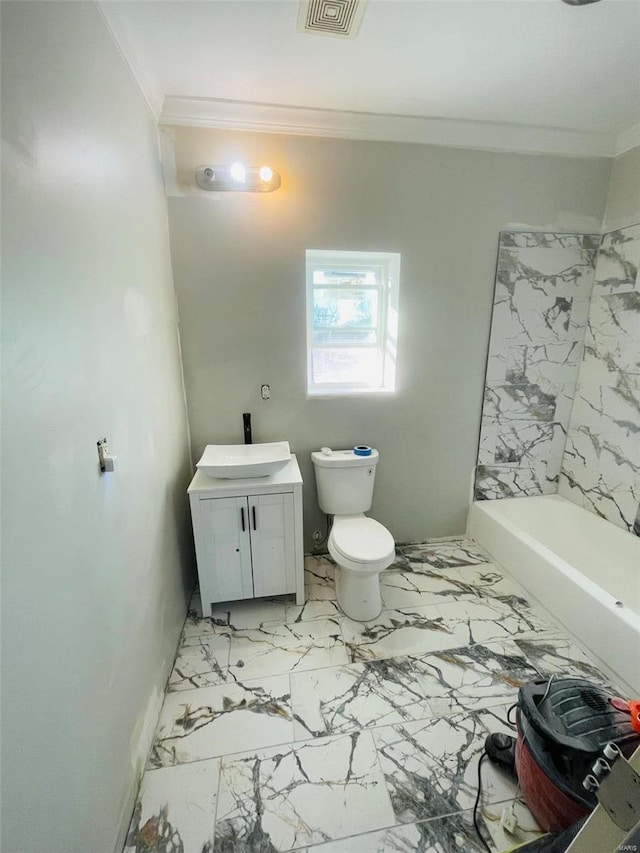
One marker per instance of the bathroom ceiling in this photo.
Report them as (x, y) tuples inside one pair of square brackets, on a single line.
[(535, 64)]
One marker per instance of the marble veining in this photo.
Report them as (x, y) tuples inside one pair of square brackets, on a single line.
[(292, 647), (398, 632), (430, 765), (176, 810), (618, 261), (253, 613), (507, 481), (349, 736), (440, 555), (356, 696), (424, 585), (490, 619), (554, 654), (440, 835), (284, 798), (202, 661), (212, 721), (601, 462), (196, 624), (472, 677), (541, 302)]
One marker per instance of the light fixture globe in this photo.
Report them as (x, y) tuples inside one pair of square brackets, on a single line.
[(238, 172)]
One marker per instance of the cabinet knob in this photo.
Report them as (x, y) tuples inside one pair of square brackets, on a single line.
[(237, 550)]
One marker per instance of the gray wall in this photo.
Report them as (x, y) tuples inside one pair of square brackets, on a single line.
[(239, 271), (93, 594), (623, 201)]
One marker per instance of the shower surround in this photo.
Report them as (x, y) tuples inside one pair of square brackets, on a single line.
[(561, 408), (601, 464), (541, 304)]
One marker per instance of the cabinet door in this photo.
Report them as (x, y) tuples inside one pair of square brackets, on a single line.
[(272, 544), (226, 573)]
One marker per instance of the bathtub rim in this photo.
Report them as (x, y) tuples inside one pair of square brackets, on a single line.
[(627, 613), (612, 644)]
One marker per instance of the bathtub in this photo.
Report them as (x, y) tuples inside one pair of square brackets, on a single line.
[(583, 569)]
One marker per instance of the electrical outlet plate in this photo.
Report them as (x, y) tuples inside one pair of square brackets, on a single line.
[(508, 821)]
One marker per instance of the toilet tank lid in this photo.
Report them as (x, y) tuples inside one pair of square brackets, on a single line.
[(344, 459)]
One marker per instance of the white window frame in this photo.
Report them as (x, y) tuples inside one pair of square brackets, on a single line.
[(387, 266)]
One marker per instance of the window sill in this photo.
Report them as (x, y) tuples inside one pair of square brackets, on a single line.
[(350, 392)]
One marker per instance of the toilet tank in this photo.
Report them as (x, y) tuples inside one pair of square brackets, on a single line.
[(344, 481)]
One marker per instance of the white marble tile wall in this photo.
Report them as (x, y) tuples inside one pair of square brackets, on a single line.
[(601, 463), (541, 305)]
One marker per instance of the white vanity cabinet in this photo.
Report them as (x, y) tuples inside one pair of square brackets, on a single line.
[(248, 536)]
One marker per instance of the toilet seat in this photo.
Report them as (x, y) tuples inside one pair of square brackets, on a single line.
[(361, 544)]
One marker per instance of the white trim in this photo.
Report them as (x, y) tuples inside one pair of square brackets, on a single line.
[(458, 133), (628, 139), (146, 81)]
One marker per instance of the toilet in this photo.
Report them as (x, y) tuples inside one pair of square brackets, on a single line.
[(361, 546)]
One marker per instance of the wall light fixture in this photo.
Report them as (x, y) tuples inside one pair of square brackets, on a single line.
[(237, 178)]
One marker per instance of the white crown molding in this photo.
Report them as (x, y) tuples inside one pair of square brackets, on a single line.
[(302, 121), (143, 76), (628, 139)]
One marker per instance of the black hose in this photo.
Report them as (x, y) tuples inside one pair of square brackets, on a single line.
[(477, 802)]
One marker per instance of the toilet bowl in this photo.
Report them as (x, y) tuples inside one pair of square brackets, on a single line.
[(362, 548)]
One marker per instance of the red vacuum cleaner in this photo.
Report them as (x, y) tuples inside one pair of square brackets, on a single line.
[(562, 726)]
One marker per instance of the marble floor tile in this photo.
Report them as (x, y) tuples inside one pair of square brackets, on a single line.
[(327, 733), (319, 580), (213, 721), (472, 677), (488, 620), (356, 696), (553, 653), (288, 797), (442, 555), (400, 562), (175, 810), (407, 589), (449, 834), (400, 632), (202, 661), (313, 608), (487, 580), (319, 570), (252, 613), (195, 625), (320, 592), (431, 765), (277, 649)]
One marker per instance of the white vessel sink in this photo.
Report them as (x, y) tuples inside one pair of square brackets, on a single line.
[(238, 461)]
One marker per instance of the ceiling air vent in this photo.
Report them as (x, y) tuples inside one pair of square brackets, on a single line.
[(338, 18)]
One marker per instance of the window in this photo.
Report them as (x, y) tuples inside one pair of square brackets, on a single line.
[(352, 321)]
